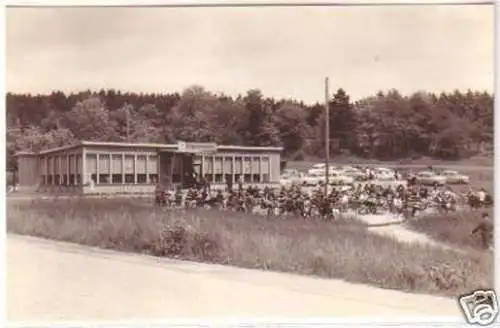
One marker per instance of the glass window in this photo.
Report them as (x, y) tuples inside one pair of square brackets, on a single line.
[(116, 179), (153, 178), (129, 178), (103, 178), (142, 178)]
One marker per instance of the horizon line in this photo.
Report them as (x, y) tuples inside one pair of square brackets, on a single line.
[(221, 93)]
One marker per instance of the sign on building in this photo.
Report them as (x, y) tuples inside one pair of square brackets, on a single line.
[(196, 147), (181, 146)]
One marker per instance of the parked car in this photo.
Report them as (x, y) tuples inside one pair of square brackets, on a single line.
[(312, 179), (320, 169), (287, 181), (338, 178), (391, 181), (384, 174), (429, 178), (290, 176), (453, 177), (290, 172), (334, 178), (353, 173)]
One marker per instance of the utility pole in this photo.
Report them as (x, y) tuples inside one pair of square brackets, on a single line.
[(327, 136), (127, 113)]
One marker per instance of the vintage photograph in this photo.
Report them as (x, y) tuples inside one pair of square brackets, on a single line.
[(250, 162)]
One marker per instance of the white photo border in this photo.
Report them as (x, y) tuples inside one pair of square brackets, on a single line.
[(231, 322)]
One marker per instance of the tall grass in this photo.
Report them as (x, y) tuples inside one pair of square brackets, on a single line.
[(453, 229), (342, 249)]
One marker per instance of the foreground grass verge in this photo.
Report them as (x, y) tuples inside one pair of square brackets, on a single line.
[(343, 249), (453, 229)]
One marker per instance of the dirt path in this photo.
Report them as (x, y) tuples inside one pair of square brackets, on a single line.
[(393, 226)]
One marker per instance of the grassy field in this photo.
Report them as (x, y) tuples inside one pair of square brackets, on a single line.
[(343, 249), (453, 229)]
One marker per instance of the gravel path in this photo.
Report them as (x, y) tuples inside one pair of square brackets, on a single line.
[(389, 225), (393, 226)]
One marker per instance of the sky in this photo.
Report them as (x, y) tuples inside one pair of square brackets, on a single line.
[(284, 52)]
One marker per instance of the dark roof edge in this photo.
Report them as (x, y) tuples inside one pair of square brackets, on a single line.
[(140, 145), (48, 151)]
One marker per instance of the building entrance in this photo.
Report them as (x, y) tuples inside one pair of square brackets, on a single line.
[(183, 167)]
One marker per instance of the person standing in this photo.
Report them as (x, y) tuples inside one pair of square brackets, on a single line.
[(229, 183), (160, 193), (485, 230), (240, 183), (91, 183), (207, 184), (481, 195)]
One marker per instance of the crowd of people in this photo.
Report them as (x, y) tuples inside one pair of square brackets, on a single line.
[(298, 201), (366, 198)]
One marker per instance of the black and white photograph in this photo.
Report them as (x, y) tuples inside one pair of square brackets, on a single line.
[(275, 161)]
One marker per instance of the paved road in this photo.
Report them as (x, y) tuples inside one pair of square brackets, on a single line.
[(59, 281)]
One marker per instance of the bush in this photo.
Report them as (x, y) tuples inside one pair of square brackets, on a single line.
[(342, 249), (180, 240)]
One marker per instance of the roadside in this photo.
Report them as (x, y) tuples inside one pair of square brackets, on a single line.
[(341, 249), (107, 285)]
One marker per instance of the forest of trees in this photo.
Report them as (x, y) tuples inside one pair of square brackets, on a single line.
[(385, 126)]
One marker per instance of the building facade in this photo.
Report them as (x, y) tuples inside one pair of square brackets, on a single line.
[(108, 167)]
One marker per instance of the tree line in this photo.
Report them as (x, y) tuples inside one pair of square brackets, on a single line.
[(385, 126)]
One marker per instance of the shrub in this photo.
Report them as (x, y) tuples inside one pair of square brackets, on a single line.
[(180, 240)]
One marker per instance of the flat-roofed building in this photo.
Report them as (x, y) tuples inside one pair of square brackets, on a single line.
[(113, 167)]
